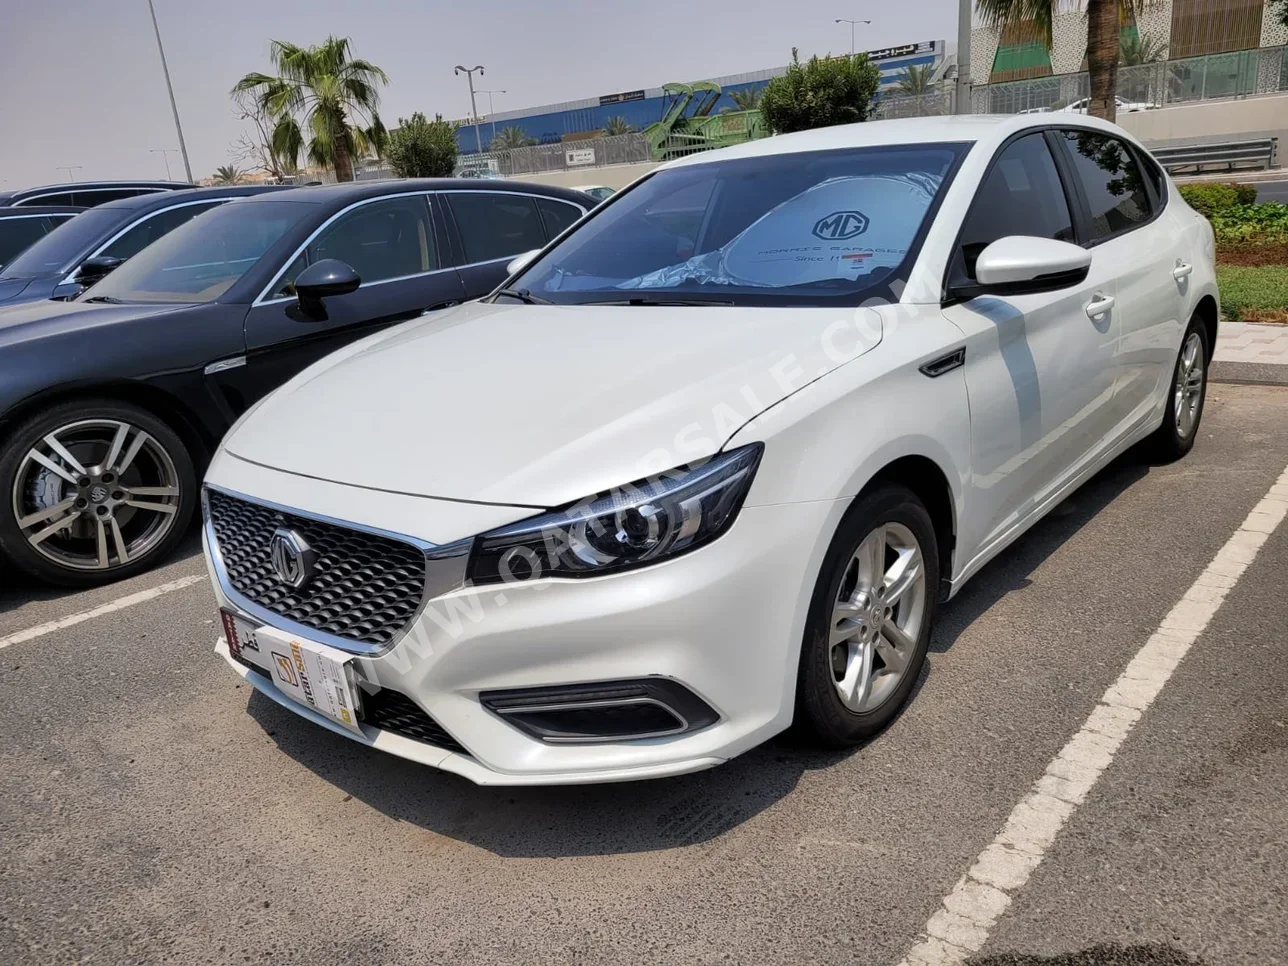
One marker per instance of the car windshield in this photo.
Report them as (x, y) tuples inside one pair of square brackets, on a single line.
[(803, 228), (203, 258), (59, 251)]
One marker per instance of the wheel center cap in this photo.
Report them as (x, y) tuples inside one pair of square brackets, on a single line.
[(98, 493)]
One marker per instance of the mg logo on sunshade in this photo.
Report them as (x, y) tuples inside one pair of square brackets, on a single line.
[(840, 225)]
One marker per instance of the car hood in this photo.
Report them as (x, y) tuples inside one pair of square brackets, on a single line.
[(543, 405), (24, 289), (27, 321)]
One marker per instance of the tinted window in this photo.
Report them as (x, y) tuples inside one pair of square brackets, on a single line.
[(1021, 195), (1155, 175), (801, 228), (101, 196), (53, 200), (140, 236), (381, 240), (17, 234), (201, 259), (495, 225), (1110, 179), (558, 215), (67, 244)]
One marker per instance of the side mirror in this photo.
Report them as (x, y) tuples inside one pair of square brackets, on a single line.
[(324, 279), (1019, 263), (520, 262), (95, 269)]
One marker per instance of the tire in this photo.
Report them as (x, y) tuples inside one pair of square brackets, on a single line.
[(823, 716), (1176, 436), (154, 474)]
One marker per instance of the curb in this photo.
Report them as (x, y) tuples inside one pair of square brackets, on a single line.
[(1249, 373)]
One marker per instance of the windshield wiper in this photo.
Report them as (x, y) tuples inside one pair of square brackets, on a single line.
[(649, 300), (524, 296), (110, 299)]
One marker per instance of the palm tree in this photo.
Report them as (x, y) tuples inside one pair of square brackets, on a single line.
[(917, 80), (1136, 50), (747, 99), (326, 93), (509, 138), (228, 174), (617, 125), (1103, 26)]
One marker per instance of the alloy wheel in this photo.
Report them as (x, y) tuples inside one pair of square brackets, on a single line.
[(877, 617), (96, 494), (1188, 391)]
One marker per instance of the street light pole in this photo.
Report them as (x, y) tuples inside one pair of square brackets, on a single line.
[(174, 108), (961, 93), (165, 153), (69, 168), (474, 111), (491, 113), (852, 25)]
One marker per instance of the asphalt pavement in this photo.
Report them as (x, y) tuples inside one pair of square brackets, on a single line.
[(157, 811), (1273, 190)]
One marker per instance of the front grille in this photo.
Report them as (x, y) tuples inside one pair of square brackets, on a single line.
[(393, 711), (367, 588)]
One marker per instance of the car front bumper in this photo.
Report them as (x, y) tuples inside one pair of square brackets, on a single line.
[(725, 621)]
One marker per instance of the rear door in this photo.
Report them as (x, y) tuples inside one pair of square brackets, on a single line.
[(1040, 366), (390, 242), (1126, 229), (494, 226)]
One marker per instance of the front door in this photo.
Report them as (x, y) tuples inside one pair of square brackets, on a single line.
[(391, 244), (1040, 367)]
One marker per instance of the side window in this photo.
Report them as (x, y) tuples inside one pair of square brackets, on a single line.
[(385, 239), (557, 215), (495, 225), (16, 234), (101, 196), (1155, 175), (1021, 195), (53, 200), (139, 236), (1111, 180)]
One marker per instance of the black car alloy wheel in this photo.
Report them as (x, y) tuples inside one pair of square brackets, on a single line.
[(94, 495)]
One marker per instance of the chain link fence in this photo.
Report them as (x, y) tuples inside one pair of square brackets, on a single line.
[(565, 156)]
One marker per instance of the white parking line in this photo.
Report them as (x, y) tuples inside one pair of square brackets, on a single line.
[(119, 604), (961, 925)]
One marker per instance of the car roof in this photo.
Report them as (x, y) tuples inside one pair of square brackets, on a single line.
[(35, 211), (358, 190), (9, 196), (986, 129), (165, 199)]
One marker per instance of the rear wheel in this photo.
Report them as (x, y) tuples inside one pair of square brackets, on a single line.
[(93, 491), (870, 619), (1185, 397)]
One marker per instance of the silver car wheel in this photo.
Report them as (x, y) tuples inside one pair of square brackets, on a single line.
[(877, 617), (96, 494), (1188, 391)]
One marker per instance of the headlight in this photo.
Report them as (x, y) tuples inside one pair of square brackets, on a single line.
[(638, 524)]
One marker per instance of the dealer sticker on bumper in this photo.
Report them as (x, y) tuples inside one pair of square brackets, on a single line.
[(313, 674)]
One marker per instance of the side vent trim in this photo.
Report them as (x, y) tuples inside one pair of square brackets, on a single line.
[(937, 367)]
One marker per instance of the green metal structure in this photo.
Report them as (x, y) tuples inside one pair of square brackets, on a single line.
[(688, 125)]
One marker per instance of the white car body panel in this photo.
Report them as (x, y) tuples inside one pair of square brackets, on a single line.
[(452, 425)]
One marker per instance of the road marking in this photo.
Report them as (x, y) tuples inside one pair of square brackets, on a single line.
[(961, 925), (40, 630)]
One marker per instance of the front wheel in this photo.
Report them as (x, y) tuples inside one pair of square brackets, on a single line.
[(1185, 398), (870, 619), (93, 491)]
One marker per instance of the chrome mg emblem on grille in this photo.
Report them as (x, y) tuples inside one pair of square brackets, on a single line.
[(294, 561)]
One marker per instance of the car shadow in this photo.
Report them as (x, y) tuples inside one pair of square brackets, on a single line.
[(644, 816)]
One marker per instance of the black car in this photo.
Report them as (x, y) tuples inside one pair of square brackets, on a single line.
[(68, 260), (86, 194), (111, 404), (20, 228)]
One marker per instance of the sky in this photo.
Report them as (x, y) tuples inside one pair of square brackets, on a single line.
[(81, 82)]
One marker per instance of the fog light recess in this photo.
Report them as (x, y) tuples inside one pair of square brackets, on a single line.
[(603, 712)]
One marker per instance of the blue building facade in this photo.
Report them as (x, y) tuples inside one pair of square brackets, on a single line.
[(553, 123)]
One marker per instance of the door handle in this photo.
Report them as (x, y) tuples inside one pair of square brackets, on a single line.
[(1099, 305), (1181, 270)]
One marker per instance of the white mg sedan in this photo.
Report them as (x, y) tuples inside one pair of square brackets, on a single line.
[(704, 467)]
